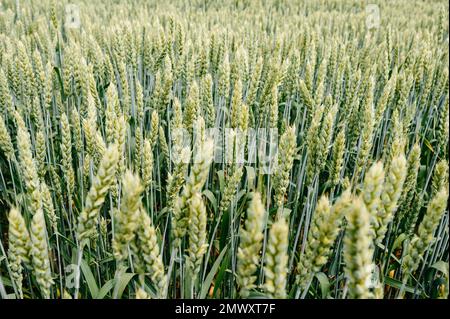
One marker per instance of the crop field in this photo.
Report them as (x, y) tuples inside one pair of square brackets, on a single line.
[(224, 149)]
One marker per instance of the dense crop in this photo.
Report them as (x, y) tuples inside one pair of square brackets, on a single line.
[(224, 149)]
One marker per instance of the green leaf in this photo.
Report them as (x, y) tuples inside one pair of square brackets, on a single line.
[(188, 284), (161, 214), (441, 266), (221, 274), (428, 144), (67, 240), (6, 281), (58, 73), (208, 280), (210, 196), (324, 284), (90, 280), (220, 175), (240, 194), (121, 282), (106, 260), (257, 295), (251, 177), (398, 284), (225, 226), (105, 289)]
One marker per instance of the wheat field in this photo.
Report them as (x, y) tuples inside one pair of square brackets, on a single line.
[(224, 149)]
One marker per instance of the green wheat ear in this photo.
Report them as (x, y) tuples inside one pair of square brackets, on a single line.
[(28, 165), (146, 248), (40, 254), (251, 237), (425, 234), (392, 189), (19, 251), (194, 184), (337, 158), (358, 250), (406, 199), (5, 140), (275, 267), (197, 234), (372, 190), (286, 153), (88, 219), (49, 208), (147, 164), (309, 261), (440, 176), (127, 217), (235, 172), (325, 227)]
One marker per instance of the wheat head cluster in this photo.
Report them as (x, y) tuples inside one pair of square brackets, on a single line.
[(111, 182)]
